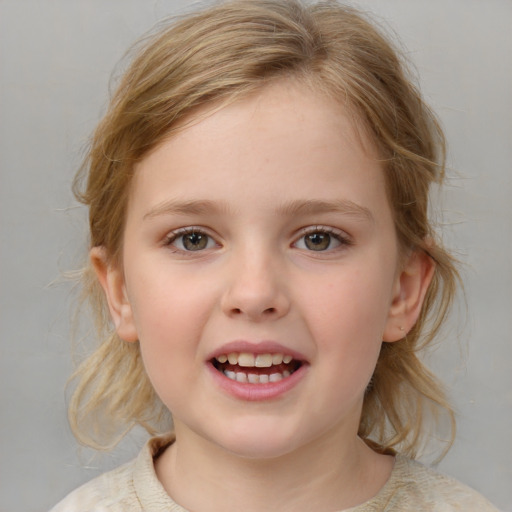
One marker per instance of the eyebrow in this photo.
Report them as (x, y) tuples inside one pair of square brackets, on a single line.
[(177, 207), (291, 208), (314, 206)]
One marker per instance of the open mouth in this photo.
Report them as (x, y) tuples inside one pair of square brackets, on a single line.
[(256, 368)]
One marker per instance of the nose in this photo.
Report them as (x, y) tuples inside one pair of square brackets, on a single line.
[(256, 289)]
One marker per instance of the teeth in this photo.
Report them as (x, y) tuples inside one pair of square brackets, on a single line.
[(277, 358), (263, 378), (263, 361), (241, 377), (248, 360), (245, 359), (254, 378)]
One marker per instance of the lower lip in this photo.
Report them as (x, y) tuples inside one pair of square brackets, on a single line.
[(257, 392)]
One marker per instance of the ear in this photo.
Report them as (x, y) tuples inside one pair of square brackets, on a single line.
[(112, 281), (409, 292)]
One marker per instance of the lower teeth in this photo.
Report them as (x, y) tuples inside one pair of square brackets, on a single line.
[(254, 378)]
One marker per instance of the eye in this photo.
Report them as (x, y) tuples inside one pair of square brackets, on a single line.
[(321, 239), (190, 239)]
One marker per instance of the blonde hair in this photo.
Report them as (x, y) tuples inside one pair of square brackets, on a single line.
[(214, 57)]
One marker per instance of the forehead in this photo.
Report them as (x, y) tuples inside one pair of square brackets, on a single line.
[(291, 96), (283, 140)]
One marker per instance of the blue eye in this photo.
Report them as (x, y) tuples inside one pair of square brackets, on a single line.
[(191, 240), (320, 240)]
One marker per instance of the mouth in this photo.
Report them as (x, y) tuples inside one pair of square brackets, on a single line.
[(246, 367)]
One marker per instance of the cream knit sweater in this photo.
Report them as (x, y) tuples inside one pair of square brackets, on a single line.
[(134, 487)]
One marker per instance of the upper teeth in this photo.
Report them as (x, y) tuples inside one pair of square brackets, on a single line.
[(249, 360)]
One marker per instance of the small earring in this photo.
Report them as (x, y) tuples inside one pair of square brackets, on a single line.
[(402, 328)]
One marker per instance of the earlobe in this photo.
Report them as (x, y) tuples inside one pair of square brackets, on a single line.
[(411, 286), (112, 281)]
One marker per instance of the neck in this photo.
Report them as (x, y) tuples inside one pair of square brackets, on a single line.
[(331, 474)]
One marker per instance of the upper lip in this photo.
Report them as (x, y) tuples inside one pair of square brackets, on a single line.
[(260, 347)]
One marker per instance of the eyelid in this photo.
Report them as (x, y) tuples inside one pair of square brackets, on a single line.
[(173, 235), (342, 236), (324, 229)]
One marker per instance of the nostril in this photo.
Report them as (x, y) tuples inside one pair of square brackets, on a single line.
[(268, 311)]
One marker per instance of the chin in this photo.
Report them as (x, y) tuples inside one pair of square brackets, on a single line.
[(259, 441)]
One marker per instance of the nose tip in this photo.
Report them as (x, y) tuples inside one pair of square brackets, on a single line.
[(257, 294)]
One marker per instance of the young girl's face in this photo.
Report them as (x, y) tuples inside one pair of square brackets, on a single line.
[(261, 235)]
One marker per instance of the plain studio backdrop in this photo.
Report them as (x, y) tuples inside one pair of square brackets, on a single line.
[(57, 58)]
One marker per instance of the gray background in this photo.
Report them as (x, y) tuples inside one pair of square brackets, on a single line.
[(56, 60)]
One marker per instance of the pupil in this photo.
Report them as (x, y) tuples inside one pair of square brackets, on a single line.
[(195, 241), (318, 241)]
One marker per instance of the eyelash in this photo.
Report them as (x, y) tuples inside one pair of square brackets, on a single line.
[(333, 234), (183, 232), (340, 237)]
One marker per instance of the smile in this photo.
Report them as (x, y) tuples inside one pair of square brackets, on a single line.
[(245, 367)]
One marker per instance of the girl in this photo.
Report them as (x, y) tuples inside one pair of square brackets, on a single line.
[(257, 197)]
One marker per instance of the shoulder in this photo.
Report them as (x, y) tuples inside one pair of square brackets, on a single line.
[(414, 486), (110, 491), (132, 487)]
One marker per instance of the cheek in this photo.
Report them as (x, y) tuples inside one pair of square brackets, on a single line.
[(355, 304), (347, 321), (166, 307), (169, 316)]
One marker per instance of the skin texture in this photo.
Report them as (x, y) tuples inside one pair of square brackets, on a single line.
[(254, 178)]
